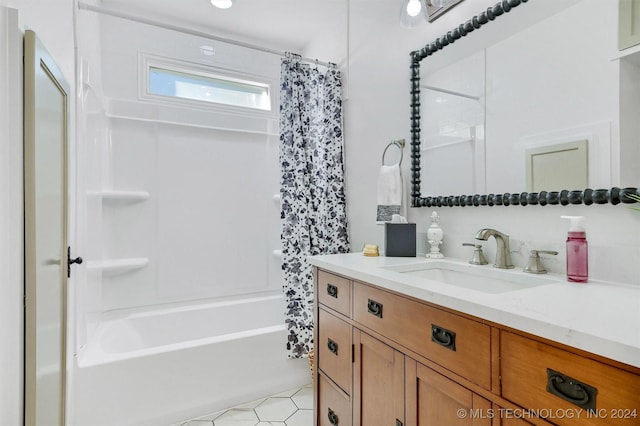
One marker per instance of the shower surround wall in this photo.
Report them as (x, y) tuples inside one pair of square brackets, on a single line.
[(177, 205)]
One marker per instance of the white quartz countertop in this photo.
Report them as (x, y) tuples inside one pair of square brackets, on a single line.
[(598, 317)]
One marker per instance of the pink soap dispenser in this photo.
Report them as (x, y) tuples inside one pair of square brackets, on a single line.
[(577, 251)]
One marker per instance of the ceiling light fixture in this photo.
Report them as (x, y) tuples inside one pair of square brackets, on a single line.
[(413, 13), (413, 7), (222, 4)]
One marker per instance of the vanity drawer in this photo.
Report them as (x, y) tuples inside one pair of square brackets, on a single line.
[(335, 349), (456, 343), (334, 292), (539, 376), (334, 407)]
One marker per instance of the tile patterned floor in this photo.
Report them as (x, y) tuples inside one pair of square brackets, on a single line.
[(291, 408)]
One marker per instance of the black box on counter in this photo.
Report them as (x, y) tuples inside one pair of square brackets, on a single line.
[(400, 239)]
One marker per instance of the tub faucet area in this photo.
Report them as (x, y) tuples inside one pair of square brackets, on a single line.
[(503, 255)]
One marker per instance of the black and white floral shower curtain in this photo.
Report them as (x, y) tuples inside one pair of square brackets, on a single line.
[(314, 218)]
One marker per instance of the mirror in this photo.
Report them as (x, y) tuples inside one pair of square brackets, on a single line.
[(527, 111)]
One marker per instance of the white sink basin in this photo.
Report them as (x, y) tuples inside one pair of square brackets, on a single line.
[(486, 278)]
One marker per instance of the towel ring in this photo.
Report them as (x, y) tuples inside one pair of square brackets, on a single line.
[(398, 143)]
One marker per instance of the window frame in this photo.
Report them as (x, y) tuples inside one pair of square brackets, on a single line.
[(147, 62)]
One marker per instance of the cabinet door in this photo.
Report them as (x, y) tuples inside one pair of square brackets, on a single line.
[(432, 399), (379, 383)]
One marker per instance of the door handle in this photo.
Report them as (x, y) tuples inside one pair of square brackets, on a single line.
[(333, 346), (71, 261)]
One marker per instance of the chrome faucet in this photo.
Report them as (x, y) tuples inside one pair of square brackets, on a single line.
[(503, 256)]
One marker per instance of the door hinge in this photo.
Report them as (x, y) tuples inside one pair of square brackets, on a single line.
[(353, 354)]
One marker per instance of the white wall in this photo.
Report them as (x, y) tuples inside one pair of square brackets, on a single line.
[(378, 111), (11, 220), (53, 22)]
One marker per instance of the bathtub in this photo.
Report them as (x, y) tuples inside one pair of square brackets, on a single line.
[(159, 367)]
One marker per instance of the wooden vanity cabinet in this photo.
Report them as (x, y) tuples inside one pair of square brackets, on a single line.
[(379, 382), (333, 405), (457, 343), (333, 337), (385, 359), (335, 349), (543, 378), (433, 399), (333, 292)]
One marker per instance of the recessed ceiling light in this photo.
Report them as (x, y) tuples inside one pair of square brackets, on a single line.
[(222, 4)]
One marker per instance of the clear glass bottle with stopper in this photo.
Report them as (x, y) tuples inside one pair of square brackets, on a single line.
[(434, 237)]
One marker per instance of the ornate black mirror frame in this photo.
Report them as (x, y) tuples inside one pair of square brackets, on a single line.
[(564, 197)]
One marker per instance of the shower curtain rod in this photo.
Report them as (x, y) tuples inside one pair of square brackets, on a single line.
[(129, 17)]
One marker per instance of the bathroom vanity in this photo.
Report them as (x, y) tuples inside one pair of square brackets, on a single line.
[(409, 341)]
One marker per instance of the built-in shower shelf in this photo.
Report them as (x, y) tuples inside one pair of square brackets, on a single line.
[(120, 196), (448, 144), (118, 266)]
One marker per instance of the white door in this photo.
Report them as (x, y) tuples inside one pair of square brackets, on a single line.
[(46, 118)]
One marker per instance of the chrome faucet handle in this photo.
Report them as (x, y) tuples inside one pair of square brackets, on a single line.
[(535, 265), (478, 255), (503, 255)]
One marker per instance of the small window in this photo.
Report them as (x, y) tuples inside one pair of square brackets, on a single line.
[(208, 88)]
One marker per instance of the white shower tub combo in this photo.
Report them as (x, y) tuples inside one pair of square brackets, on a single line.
[(162, 366)]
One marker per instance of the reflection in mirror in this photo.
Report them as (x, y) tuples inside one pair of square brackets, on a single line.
[(539, 99), (554, 166), (453, 100)]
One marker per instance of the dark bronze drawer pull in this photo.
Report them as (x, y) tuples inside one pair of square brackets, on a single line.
[(443, 337), (333, 346), (332, 290), (374, 308), (571, 390), (333, 418)]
